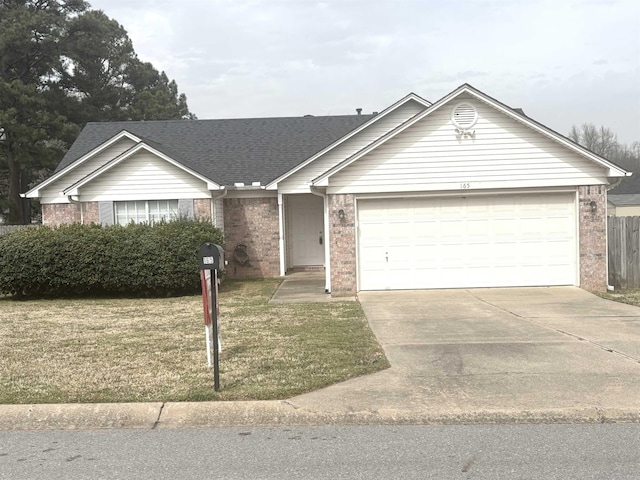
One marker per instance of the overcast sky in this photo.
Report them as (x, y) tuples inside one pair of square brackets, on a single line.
[(564, 62)]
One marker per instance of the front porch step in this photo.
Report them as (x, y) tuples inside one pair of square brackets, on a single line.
[(306, 268)]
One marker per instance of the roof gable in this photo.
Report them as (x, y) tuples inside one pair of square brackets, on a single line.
[(92, 153), (412, 97), (464, 91), (141, 146)]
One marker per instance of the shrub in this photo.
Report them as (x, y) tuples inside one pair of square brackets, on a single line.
[(79, 260)]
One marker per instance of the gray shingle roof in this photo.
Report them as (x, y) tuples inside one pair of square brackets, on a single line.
[(228, 151), (629, 185), (624, 199)]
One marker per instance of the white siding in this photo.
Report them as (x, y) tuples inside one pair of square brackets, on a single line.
[(144, 176), (429, 156), (52, 192), (299, 181)]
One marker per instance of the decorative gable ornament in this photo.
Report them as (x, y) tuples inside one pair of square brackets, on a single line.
[(464, 116)]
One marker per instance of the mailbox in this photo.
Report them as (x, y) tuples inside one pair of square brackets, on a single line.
[(209, 256)]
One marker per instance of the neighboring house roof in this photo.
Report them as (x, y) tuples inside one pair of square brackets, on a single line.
[(228, 151), (629, 185), (624, 199)]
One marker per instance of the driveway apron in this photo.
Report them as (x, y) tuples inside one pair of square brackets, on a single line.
[(512, 349)]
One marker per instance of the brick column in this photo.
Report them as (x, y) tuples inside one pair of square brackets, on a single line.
[(252, 222), (342, 238), (592, 211)]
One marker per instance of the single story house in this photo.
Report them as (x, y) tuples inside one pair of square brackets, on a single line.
[(460, 193), (624, 200)]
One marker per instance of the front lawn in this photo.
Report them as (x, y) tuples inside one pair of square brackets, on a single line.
[(137, 350)]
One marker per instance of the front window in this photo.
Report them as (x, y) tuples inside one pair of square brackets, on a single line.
[(145, 211)]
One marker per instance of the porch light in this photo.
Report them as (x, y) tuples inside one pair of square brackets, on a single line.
[(594, 206), (341, 214)]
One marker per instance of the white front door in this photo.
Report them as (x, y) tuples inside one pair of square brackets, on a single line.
[(475, 241), (305, 230)]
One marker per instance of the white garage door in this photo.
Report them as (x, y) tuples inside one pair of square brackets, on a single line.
[(474, 241)]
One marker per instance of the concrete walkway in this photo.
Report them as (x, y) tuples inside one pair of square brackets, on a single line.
[(458, 356), (305, 287)]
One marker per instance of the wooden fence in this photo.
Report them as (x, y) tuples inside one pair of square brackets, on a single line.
[(624, 252)]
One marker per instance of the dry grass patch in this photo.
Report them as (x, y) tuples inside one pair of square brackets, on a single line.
[(133, 350), (631, 296)]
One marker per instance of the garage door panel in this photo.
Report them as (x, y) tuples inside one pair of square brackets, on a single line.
[(476, 241), (478, 227), (400, 231)]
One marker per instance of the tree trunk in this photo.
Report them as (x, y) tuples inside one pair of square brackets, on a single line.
[(16, 210)]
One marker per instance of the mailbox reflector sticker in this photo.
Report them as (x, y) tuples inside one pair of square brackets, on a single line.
[(208, 260)]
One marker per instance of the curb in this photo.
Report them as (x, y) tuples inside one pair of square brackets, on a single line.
[(79, 416), (283, 413), (276, 413)]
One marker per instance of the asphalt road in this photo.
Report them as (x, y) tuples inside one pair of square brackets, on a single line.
[(405, 452)]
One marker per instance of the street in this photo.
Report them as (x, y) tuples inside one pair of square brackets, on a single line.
[(439, 452)]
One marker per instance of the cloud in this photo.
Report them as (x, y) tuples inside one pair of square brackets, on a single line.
[(569, 62)]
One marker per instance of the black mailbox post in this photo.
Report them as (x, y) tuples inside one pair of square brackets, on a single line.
[(209, 258)]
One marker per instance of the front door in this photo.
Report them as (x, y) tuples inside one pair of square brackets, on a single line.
[(306, 230)]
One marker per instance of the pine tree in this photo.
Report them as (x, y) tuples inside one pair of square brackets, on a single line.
[(62, 65)]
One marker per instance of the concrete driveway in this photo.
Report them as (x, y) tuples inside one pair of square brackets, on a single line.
[(511, 352)]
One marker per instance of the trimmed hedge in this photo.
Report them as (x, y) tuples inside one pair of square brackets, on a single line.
[(80, 260)]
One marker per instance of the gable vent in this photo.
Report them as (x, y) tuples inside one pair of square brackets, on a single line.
[(464, 116)]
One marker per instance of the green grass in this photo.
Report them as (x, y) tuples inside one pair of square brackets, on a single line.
[(135, 350)]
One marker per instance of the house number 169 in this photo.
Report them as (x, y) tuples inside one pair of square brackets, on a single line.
[(464, 186)]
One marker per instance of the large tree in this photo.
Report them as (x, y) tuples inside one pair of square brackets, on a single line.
[(605, 143), (32, 36), (62, 65), (103, 74)]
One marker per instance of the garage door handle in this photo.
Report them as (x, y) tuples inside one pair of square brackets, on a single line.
[(386, 256), (320, 239)]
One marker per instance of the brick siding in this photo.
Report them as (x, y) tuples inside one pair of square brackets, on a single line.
[(90, 213), (56, 214), (254, 223), (202, 209), (342, 238), (593, 237)]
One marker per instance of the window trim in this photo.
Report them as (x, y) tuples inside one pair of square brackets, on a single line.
[(152, 213)]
